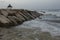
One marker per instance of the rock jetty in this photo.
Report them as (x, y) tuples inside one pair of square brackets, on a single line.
[(13, 17)]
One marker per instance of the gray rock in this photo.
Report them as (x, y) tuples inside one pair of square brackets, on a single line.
[(10, 17)]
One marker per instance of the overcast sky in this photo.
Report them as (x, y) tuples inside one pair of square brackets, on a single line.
[(31, 4)]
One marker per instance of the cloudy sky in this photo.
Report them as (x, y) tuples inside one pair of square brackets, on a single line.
[(31, 4)]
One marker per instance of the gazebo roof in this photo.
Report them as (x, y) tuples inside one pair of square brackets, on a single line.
[(9, 5)]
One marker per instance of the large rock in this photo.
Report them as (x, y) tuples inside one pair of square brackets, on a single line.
[(12, 17), (5, 13), (20, 16), (4, 20)]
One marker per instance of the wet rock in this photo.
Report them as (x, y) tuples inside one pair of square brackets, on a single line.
[(20, 17), (3, 19), (10, 17), (26, 18), (5, 13)]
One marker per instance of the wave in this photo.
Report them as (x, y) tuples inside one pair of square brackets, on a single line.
[(45, 24)]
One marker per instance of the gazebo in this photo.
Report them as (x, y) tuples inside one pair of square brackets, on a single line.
[(9, 6)]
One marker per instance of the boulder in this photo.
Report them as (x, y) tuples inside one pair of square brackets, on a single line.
[(5, 13), (4, 20), (13, 17), (20, 17)]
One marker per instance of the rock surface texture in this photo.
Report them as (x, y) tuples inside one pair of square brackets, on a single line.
[(12, 17)]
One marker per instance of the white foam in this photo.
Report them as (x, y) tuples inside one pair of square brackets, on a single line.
[(53, 28), (45, 27)]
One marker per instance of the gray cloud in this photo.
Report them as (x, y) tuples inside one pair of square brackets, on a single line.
[(33, 4)]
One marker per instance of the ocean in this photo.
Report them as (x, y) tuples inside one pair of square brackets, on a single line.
[(49, 22)]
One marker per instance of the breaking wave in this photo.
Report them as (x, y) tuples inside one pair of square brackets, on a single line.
[(46, 26)]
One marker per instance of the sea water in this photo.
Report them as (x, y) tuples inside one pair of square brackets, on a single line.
[(46, 26)]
